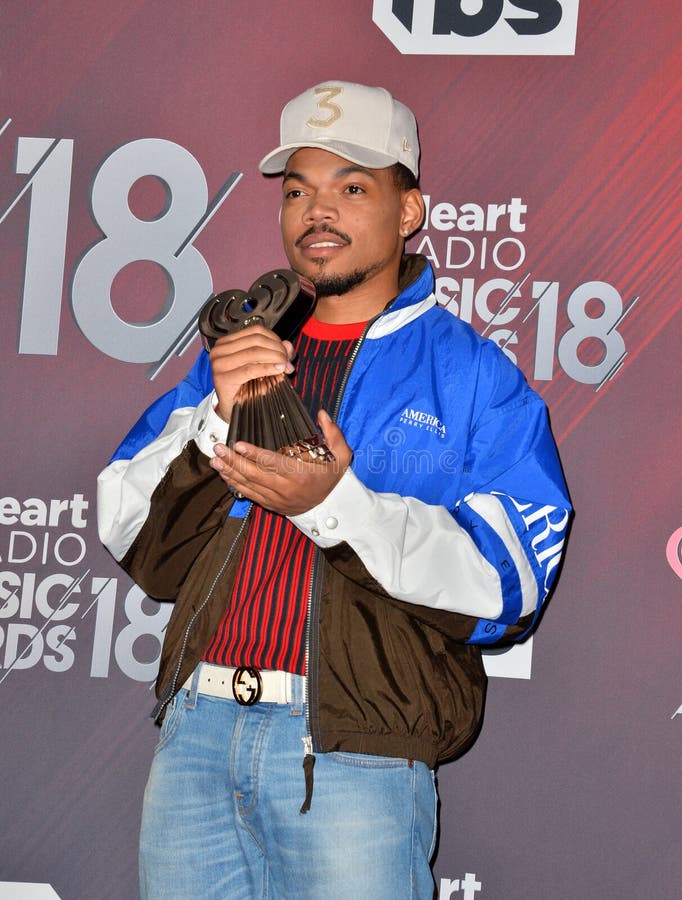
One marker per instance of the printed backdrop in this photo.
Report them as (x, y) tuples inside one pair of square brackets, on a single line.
[(129, 139)]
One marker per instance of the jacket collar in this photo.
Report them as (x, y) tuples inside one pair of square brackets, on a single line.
[(416, 283)]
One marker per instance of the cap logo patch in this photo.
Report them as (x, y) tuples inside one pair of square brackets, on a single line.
[(331, 111)]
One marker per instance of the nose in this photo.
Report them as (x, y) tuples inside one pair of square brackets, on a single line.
[(320, 208)]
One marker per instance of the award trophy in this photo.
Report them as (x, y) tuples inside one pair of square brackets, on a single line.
[(267, 411)]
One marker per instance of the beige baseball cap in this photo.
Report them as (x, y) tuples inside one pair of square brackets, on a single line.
[(363, 124)]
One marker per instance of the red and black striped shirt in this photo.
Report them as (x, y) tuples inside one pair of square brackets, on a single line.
[(264, 624)]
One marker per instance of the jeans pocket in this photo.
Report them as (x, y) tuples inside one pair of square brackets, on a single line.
[(174, 714), (367, 761)]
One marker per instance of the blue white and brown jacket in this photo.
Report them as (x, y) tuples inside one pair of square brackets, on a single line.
[(445, 536)]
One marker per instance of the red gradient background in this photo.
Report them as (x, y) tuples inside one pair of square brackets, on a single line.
[(573, 789)]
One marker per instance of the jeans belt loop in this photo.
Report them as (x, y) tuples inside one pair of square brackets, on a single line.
[(193, 687)]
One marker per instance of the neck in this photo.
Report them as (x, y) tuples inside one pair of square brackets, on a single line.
[(344, 309)]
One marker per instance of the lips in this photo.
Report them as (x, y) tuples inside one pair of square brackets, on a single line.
[(322, 240), (314, 245)]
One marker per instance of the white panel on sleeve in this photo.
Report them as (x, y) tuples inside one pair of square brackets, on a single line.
[(125, 487), (417, 552)]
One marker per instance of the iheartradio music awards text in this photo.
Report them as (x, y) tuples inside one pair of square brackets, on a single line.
[(52, 619)]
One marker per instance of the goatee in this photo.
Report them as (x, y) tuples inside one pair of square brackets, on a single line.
[(337, 285)]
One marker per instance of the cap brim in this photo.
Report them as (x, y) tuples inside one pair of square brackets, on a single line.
[(275, 162)]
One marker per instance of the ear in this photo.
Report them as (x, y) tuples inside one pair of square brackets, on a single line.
[(413, 211)]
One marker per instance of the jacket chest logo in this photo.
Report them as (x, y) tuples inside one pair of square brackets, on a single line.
[(417, 418)]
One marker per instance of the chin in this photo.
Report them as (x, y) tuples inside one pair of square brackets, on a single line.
[(335, 284)]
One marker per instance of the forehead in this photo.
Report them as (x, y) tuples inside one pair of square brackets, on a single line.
[(312, 162)]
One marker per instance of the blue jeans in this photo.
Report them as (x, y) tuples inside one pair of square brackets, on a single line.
[(221, 812)]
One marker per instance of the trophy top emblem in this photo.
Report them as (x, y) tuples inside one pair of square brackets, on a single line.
[(280, 300)]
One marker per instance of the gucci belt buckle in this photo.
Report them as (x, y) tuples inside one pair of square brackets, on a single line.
[(247, 686)]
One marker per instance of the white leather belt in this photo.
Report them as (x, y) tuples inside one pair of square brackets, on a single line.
[(246, 684)]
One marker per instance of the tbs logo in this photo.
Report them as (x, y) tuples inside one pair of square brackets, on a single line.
[(483, 27)]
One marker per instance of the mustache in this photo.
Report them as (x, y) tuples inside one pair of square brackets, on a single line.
[(322, 229)]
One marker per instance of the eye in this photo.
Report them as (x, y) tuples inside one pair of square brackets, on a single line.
[(293, 194), (355, 189)]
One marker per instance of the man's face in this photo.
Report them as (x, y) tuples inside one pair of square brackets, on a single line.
[(341, 223)]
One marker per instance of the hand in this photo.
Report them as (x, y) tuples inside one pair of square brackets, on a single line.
[(251, 353), (283, 484)]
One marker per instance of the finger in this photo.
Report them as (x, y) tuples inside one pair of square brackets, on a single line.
[(251, 334), (252, 466), (231, 376), (238, 360), (254, 341), (256, 464), (246, 450), (215, 462), (334, 438), (253, 344)]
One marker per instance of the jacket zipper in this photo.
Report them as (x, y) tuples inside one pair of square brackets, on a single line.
[(308, 743), (351, 362), (165, 700), (309, 750)]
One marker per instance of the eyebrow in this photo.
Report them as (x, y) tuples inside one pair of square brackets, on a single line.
[(340, 173)]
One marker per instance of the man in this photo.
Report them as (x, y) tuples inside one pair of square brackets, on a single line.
[(349, 599)]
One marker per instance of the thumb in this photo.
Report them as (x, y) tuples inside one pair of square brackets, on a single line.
[(291, 356), (334, 439)]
